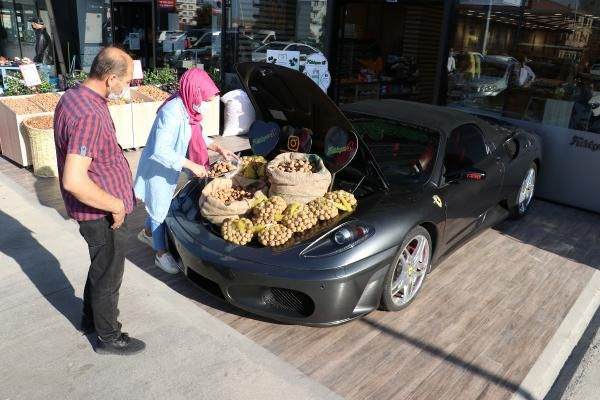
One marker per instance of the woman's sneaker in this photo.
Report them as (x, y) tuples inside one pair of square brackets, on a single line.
[(167, 263), (142, 237)]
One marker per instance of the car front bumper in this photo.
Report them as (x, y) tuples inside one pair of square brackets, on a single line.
[(319, 297)]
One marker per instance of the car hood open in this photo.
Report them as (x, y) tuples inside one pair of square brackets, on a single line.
[(289, 97)]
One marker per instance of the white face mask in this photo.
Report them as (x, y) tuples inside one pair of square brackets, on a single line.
[(201, 108), (124, 93)]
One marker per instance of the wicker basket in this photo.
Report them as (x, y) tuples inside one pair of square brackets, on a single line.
[(43, 151)]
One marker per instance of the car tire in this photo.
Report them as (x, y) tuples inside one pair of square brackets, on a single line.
[(403, 270), (521, 201)]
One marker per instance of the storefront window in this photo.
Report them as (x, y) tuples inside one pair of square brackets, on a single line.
[(387, 50), (257, 26), (536, 61), (95, 29), (188, 34)]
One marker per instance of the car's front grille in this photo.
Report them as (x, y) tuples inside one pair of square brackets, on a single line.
[(289, 300)]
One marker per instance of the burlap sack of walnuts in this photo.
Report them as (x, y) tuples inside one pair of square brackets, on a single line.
[(216, 211), (298, 187)]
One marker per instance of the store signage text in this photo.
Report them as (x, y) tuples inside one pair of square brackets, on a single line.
[(167, 4), (578, 141)]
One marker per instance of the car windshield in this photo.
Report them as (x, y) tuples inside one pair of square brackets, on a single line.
[(405, 153)]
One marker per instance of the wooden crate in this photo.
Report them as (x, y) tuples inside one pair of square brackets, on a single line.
[(143, 116), (210, 123), (122, 116), (13, 135)]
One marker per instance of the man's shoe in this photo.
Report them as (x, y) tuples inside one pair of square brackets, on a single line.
[(167, 263), (142, 237), (121, 346), (87, 326)]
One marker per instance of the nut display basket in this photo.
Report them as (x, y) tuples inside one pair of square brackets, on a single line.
[(43, 151)]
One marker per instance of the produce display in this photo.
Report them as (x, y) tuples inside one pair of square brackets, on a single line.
[(238, 231), (342, 200), (122, 101), (22, 106), (41, 122), (46, 101), (269, 211), (153, 92), (298, 218), (297, 166), (304, 208), (221, 168), (254, 167), (324, 209), (274, 235), (228, 195)]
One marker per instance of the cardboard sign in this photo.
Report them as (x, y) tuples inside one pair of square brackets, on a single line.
[(30, 75), (340, 148), (285, 58), (263, 137), (138, 73), (317, 69)]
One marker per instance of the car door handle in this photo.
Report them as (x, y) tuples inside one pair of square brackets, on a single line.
[(498, 159)]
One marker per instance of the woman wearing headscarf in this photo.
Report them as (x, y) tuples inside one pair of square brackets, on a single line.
[(176, 132)]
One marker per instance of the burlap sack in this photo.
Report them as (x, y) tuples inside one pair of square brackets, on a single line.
[(298, 187), (216, 211)]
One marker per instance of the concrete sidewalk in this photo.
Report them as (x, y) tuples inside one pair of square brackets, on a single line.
[(190, 354)]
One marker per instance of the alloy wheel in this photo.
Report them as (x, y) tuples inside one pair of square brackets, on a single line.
[(410, 270)]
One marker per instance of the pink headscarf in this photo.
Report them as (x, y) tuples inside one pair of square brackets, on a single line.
[(195, 86)]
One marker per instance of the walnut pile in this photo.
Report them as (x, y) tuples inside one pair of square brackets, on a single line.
[(41, 122), (274, 235), (343, 200), (228, 195), (297, 166), (238, 231), (153, 92), (298, 218), (323, 208), (46, 101), (22, 106), (269, 211), (221, 168)]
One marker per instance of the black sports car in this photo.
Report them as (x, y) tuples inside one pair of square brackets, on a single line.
[(426, 178)]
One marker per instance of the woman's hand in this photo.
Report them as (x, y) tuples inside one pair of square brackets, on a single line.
[(223, 152), (196, 169)]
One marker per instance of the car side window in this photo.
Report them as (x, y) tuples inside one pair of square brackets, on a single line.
[(465, 149)]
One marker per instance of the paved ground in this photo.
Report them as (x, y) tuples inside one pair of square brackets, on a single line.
[(580, 376), (190, 354)]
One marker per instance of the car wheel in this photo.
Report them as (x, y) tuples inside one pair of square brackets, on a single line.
[(523, 198), (408, 271)]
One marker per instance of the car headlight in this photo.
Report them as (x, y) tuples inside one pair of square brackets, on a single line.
[(340, 239)]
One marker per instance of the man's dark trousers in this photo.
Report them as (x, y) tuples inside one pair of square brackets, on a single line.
[(101, 293)]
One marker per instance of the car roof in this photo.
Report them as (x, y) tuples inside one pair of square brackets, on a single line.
[(437, 118)]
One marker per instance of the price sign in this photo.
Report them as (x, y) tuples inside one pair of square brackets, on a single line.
[(138, 73), (30, 75)]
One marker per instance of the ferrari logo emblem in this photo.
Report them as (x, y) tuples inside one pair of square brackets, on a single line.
[(437, 201)]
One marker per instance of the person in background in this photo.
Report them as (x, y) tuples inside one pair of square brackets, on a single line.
[(176, 131), (44, 53), (451, 61), (526, 74), (95, 183)]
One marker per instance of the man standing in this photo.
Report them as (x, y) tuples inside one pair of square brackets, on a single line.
[(96, 185), (43, 44)]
